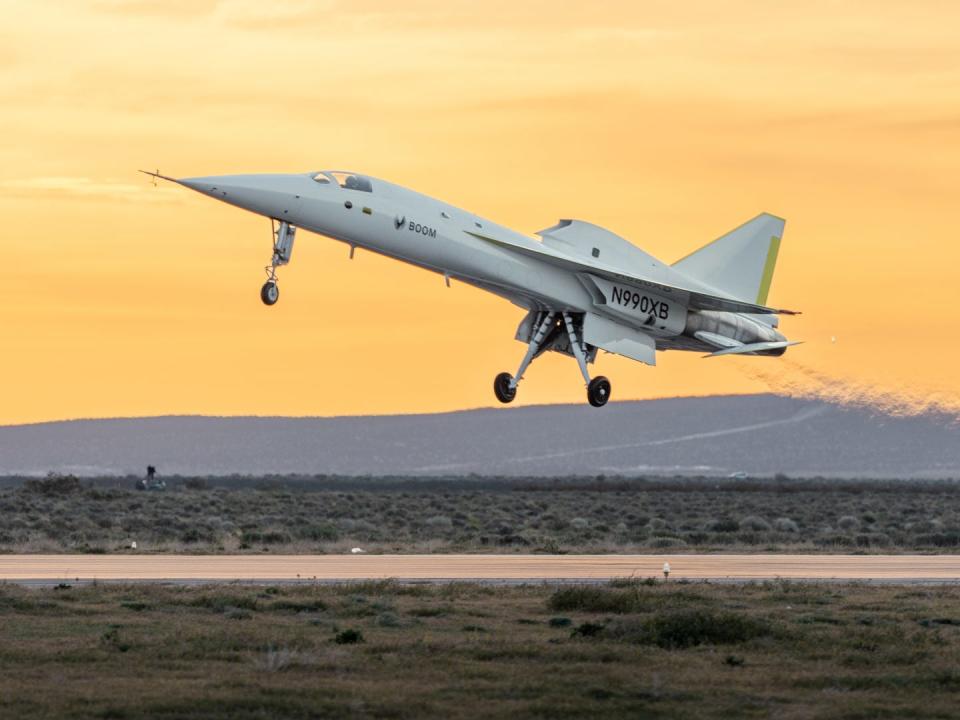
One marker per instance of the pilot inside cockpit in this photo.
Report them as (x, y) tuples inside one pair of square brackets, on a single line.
[(357, 182)]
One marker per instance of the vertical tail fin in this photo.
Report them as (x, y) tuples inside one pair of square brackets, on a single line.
[(741, 262)]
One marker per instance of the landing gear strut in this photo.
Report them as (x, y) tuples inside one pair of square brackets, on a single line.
[(505, 385), (283, 236), (598, 389), (547, 329)]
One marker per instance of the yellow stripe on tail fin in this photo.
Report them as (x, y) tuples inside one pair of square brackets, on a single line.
[(768, 267)]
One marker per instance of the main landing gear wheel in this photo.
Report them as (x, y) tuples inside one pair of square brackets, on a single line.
[(502, 389), (598, 391), (269, 293)]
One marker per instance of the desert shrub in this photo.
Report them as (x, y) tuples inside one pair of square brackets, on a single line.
[(925, 526), (439, 522), (53, 484), (266, 537), (348, 637), (580, 523), (725, 525), (195, 483), (195, 535), (942, 539), (632, 582), (667, 542), (872, 540), (388, 620), (431, 611), (221, 602), (111, 640), (320, 532), (587, 629), (594, 599), (834, 539), (755, 523), (677, 629), (785, 525), (848, 522), (299, 605)]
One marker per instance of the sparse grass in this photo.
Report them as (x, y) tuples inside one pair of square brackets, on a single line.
[(483, 515), (775, 649)]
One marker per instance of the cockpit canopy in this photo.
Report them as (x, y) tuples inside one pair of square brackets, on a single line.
[(346, 180)]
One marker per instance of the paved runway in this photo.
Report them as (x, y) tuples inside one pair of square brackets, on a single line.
[(43, 569)]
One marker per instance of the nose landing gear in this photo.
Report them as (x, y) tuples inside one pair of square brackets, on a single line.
[(283, 236)]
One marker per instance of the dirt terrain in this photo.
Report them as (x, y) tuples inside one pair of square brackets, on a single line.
[(629, 649)]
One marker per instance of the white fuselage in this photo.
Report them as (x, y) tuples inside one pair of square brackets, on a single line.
[(420, 230)]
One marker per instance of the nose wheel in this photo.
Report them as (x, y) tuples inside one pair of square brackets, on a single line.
[(269, 293)]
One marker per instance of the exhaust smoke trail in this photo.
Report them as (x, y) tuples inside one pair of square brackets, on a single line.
[(794, 379)]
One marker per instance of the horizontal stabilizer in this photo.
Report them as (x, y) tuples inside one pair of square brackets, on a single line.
[(718, 341), (751, 348)]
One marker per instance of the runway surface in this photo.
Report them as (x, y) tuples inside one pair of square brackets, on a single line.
[(44, 569)]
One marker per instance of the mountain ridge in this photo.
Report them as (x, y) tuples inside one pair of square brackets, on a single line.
[(702, 435)]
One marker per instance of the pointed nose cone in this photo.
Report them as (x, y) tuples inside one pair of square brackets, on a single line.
[(205, 185), (276, 196)]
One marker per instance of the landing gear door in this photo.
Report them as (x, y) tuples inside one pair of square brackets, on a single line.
[(283, 236), (620, 339)]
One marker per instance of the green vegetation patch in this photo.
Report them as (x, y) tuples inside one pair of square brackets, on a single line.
[(383, 649)]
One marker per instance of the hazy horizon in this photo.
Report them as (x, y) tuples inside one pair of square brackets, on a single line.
[(714, 436)]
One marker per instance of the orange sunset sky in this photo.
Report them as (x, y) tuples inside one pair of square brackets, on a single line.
[(669, 123)]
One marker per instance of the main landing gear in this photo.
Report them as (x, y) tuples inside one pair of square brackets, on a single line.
[(547, 333), (283, 236)]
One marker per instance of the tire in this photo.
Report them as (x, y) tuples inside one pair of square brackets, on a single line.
[(269, 293), (502, 389), (598, 391)]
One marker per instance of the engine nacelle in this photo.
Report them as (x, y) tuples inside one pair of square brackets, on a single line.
[(741, 328)]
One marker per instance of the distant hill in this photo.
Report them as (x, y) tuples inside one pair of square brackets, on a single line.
[(756, 434)]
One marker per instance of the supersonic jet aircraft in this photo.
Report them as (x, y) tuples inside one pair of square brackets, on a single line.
[(584, 288)]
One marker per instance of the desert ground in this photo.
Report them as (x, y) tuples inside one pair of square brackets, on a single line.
[(291, 515), (384, 649)]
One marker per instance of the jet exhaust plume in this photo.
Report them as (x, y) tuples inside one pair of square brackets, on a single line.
[(794, 379)]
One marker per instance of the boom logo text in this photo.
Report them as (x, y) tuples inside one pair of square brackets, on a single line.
[(422, 229)]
